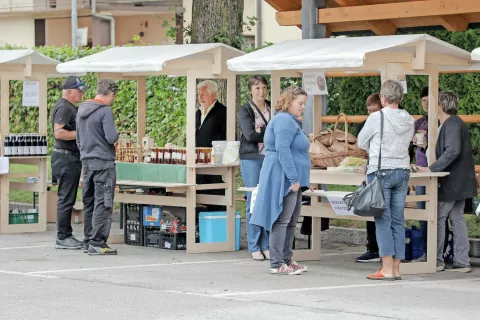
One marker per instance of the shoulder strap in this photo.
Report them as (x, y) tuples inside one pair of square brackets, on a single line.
[(381, 138), (259, 112)]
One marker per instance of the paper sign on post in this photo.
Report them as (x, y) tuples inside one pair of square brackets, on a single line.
[(31, 94), (315, 83)]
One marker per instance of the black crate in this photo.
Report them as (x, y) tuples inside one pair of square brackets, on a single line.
[(133, 224), (164, 240)]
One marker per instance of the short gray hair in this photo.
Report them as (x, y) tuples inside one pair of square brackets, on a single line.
[(106, 87), (448, 100), (209, 84), (392, 91)]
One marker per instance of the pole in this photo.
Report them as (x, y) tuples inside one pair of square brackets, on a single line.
[(258, 23), (74, 24), (311, 29)]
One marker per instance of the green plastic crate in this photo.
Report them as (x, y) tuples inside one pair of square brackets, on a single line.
[(23, 217)]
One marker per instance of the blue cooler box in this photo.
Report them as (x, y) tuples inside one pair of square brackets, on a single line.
[(213, 227)]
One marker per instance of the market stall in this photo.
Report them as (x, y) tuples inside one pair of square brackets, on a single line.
[(176, 176), (33, 68), (392, 57)]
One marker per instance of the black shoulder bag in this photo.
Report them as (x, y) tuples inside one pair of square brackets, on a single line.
[(368, 200)]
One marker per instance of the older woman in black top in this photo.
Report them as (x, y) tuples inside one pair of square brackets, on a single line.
[(254, 117)]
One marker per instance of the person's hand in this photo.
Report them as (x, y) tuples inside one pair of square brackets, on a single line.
[(258, 130), (312, 188), (295, 187), (414, 140), (423, 169)]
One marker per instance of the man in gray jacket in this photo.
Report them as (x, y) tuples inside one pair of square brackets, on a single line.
[(96, 136), (454, 155)]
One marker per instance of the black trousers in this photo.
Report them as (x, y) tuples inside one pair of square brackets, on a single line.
[(99, 180), (66, 169), (372, 245)]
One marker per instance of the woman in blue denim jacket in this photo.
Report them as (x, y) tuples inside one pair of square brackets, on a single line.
[(393, 174), (285, 174)]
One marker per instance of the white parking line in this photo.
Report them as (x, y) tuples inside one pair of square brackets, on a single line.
[(28, 274), (139, 266), (366, 285), (30, 247)]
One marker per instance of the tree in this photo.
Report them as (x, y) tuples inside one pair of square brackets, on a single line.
[(217, 21)]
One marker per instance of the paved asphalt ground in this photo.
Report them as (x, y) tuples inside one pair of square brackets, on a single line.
[(39, 282)]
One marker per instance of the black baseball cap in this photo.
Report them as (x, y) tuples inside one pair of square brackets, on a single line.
[(73, 82)]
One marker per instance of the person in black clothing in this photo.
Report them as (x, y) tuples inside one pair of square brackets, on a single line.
[(66, 165), (210, 125), (373, 105), (254, 117)]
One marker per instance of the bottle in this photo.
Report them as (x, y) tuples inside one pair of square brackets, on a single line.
[(38, 145), (44, 145), (21, 146), (212, 156), (6, 147), (32, 145), (27, 145), (13, 146)]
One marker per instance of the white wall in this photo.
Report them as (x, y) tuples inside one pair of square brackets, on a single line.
[(271, 31), (17, 32)]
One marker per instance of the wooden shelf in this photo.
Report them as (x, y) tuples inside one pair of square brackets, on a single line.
[(208, 165), (29, 157)]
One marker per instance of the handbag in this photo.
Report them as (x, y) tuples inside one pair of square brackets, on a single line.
[(368, 200)]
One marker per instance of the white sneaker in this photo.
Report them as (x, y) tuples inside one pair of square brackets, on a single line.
[(266, 254), (285, 269), (257, 255)]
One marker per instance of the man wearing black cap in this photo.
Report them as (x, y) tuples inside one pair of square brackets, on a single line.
[(66, 164)]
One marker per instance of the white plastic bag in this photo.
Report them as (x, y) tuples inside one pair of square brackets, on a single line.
[(231, 154), (253, 197)]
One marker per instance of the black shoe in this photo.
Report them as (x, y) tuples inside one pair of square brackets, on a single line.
[(457, 268), (85, 246), (369, 257), (70, 243)]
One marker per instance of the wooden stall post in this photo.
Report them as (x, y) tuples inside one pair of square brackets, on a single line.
[(191, 171), (4, 129), (141, 108), (275, 89), (432, 113)]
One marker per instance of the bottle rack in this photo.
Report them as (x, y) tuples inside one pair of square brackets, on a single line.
[(25, 145)]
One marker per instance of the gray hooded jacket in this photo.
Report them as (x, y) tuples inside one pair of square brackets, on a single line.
[(397, 134), (96, 133)]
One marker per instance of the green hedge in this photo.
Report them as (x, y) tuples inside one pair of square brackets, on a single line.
[(166, 96)]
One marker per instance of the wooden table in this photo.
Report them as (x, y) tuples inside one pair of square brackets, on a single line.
[(318, 210)]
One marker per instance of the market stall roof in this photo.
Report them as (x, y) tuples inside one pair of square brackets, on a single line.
[(22, 56), (166, 59), (355, 52), (476, 55)]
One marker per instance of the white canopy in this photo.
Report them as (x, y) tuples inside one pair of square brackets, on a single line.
[(339, 52), (476, 55), (22, 56), (149, 58)]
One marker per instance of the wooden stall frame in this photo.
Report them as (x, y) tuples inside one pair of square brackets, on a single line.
[(207, 64), (390, 65), (23, 72)]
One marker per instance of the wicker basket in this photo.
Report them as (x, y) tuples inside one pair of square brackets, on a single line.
[(333, 159)]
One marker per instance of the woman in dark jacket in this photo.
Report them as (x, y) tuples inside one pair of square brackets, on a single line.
[(254, 117)]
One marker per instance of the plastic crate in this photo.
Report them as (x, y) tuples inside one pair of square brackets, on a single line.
[(133, 224), (23, 218), (165, 240)]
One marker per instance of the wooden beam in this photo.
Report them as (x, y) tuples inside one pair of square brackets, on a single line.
[(454, 23), (397, 10), (289, 18), (285, 5), (380, 27), (359, 119), (418, 63)]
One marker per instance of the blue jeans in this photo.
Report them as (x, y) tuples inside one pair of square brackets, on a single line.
[(391, 224), (257, 236)]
